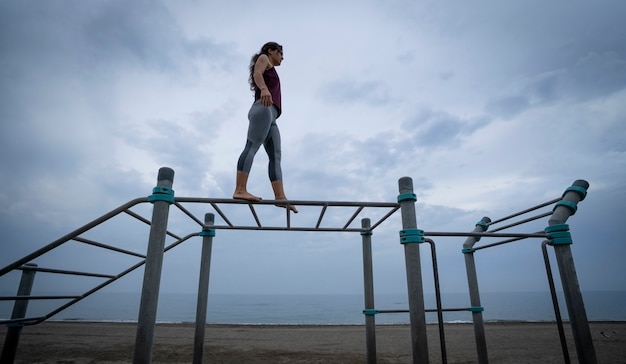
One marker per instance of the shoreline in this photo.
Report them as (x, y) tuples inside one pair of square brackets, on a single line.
[(105, 342), (251, 324)]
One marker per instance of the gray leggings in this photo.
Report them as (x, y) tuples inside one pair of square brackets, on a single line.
[(262, 129)]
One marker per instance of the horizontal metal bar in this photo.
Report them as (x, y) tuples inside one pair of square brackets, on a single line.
[(28, 298), (24, 321), (284, 228), (68, 272), (291, 202), (426, 310), (487, 235), (548, 203), (499, 243), (533, 218)]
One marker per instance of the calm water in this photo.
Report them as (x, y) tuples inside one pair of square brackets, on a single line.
[(324, 309)]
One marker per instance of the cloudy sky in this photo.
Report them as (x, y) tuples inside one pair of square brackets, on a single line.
[(490, 107)]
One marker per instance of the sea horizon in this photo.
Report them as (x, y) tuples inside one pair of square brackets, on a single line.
[(324, 309)]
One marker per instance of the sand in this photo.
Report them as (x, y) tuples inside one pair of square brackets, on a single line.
[(82, 342)]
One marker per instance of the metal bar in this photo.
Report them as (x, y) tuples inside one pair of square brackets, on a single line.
[(548, 203), (256, 218), (12, 338), (382, 219), (368, 292), (24, 321), (104, 284), (137, 216), (487, 235), (283, 228), (148, 222), (222, 215), (426, 310), (442, 336), (500, 243), (152, 273), (356, 213), (291, 202), (203, 289), (537, 217), (36, 320), (108, 247), (419, 338), (555, 302), (71, 235), (188, 213), (319, 220), (68, 272), (29, 298)]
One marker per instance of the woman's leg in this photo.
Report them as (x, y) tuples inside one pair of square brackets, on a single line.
[(272, 147), (260, 120)]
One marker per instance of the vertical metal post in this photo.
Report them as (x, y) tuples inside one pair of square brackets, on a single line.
[(555, 302), (203, 287), (442, 334), (472, 282), (569, 279), (368, 285), (19, 311), (411, 237), (162, 197)]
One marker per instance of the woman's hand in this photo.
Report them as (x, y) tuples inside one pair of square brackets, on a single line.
[(266, 97)]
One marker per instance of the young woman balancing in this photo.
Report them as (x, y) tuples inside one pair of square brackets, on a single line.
[(262, 127)]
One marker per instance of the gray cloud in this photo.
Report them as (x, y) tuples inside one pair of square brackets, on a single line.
[(594, 76), (431, 129), (350, 90)]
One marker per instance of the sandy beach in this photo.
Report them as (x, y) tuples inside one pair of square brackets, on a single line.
[(83, 342)]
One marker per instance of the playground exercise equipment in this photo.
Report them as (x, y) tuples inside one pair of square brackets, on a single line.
[(556, 234)]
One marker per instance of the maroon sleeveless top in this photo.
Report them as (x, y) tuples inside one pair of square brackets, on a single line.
[(273, 85)]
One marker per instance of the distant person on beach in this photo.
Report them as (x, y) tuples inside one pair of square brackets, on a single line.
[(262, 127)]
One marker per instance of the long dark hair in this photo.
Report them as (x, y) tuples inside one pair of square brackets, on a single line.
[(264, 50)]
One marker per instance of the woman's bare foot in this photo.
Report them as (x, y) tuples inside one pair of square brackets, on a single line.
[(291, 207), (245, 195), (241, 191), (279, 195)]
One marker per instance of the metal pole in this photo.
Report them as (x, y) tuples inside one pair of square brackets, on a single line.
[(410, 238), (555, 301), (162, 197), (472, 282), (19, 311), (442, 335), (569, 279), (203, 287), (368, 285)]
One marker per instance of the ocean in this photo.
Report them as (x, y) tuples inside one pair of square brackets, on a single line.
[(343, 309)]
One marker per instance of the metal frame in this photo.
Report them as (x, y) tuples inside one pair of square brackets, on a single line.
[(411, 237)]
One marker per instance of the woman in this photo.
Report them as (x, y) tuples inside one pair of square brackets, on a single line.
[(262, 129)]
